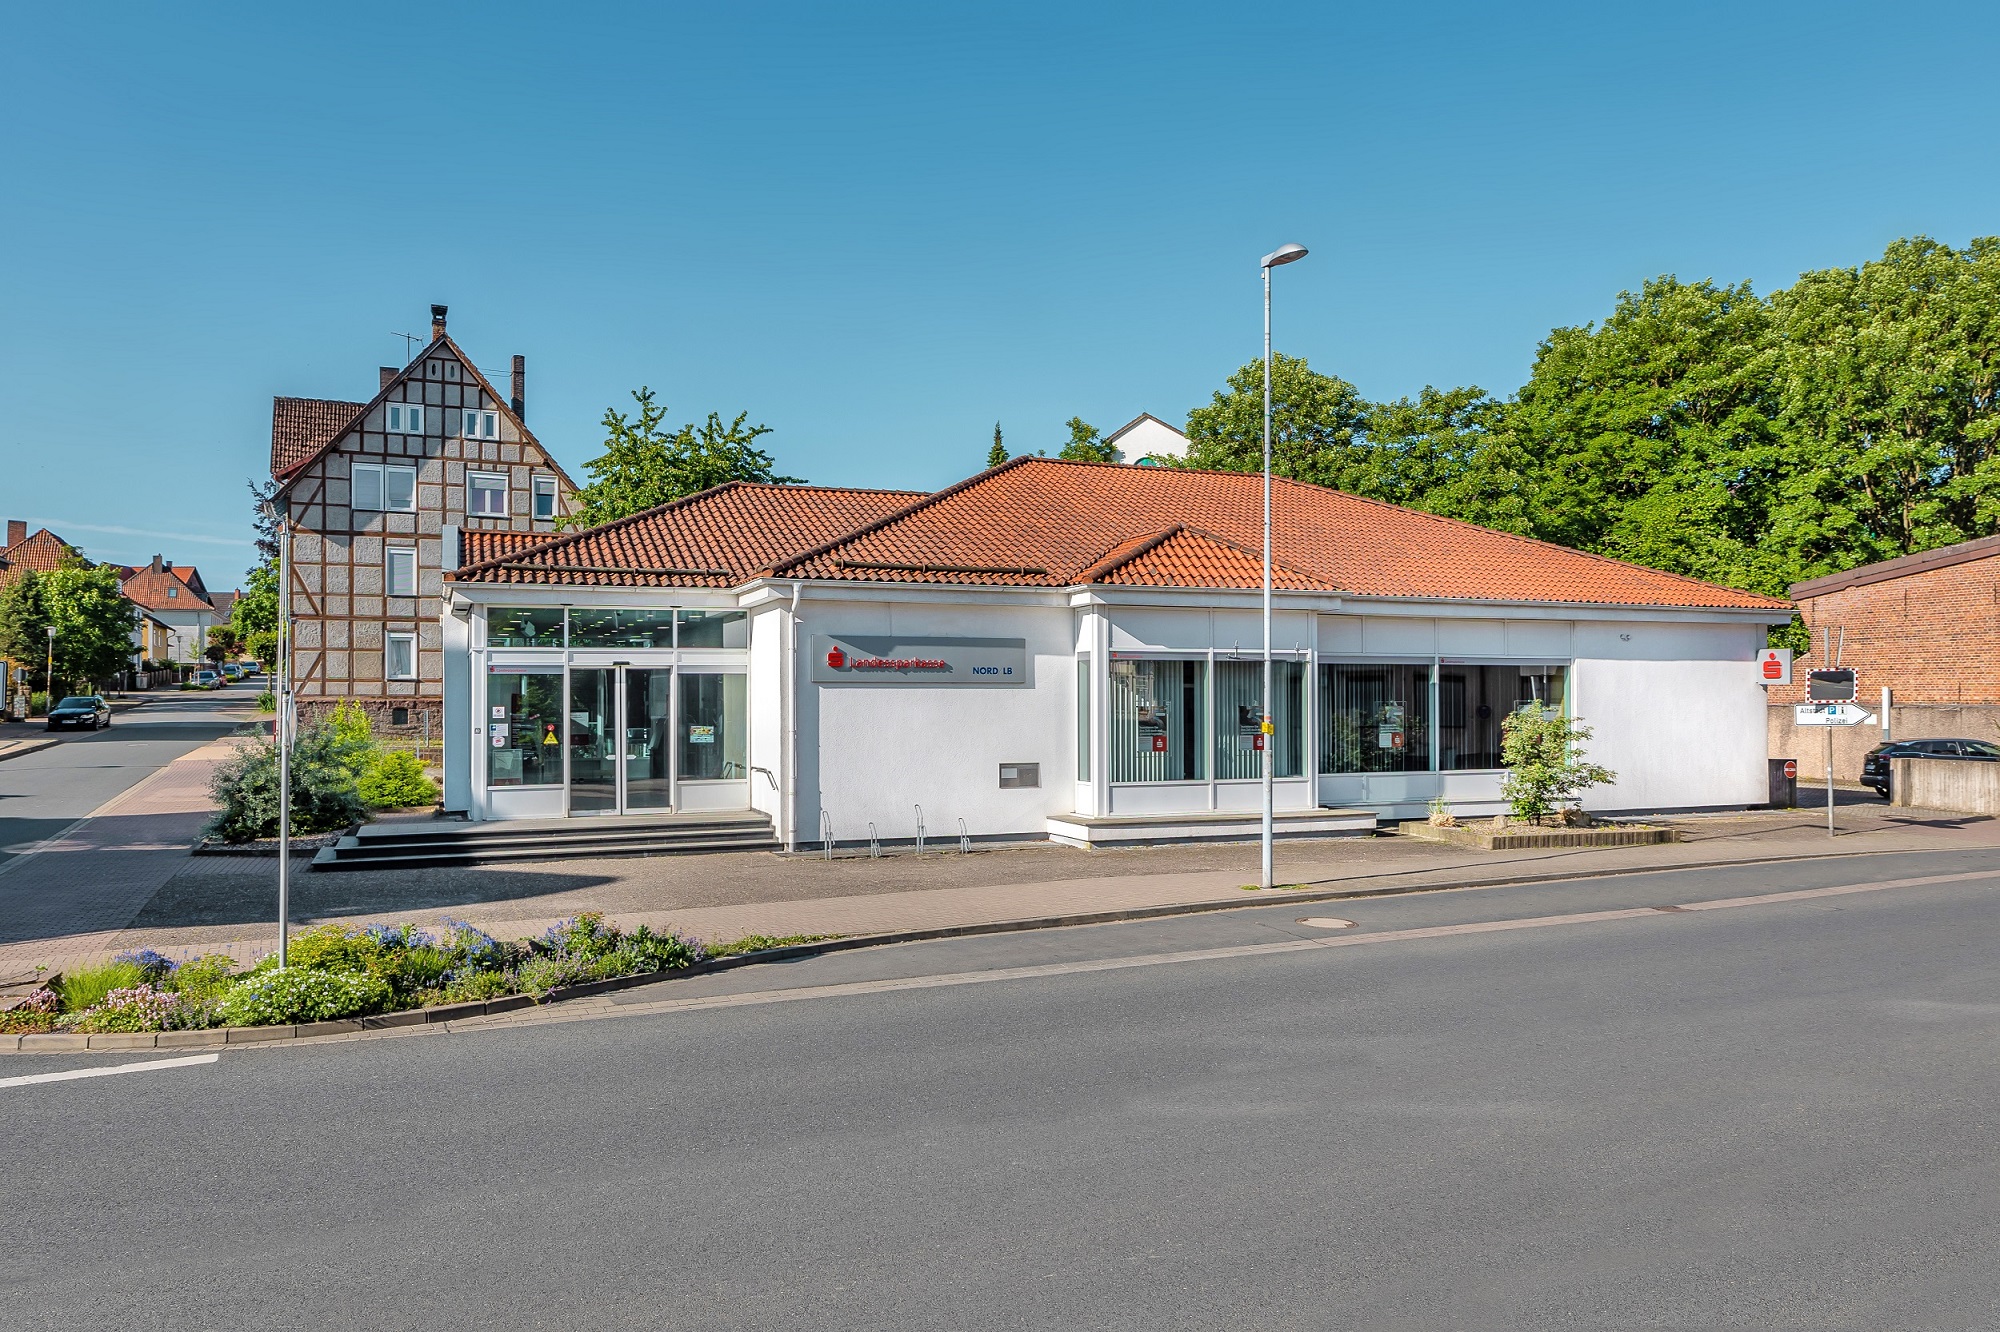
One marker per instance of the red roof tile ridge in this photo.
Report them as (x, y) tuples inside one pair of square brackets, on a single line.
[(776, 568), (1537, 541), (571, 538)]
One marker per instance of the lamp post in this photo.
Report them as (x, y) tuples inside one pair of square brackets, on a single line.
[(281, 728), (1284, 254), (49, 673)]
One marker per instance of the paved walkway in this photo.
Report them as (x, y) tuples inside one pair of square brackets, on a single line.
[(130, 869)]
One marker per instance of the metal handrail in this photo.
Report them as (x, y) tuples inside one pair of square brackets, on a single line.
[(874, 844), (826, 833), (767, 775), (920, 830), (964, 839)]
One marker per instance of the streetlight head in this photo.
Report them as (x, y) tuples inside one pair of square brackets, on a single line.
[(1284, 254), (51, 628)]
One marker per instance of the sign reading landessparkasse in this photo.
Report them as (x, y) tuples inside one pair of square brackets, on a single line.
[(893, 659), (1834, 685)]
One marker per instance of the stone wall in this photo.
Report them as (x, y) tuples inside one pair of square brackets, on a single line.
[(1913, 721), (1962, 786)]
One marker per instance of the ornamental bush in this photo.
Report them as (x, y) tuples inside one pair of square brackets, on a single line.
[(396, 780), (323, 793), (86, 987), (1543, 753), (302, 994)]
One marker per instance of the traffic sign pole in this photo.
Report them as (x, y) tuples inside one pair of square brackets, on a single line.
[(1829, 781)]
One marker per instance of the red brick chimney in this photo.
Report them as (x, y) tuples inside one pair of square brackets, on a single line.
[(437, 322), (520, 403), (389, 372), (17, 528), (156, 564)]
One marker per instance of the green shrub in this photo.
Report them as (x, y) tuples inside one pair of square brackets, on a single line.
[(1543, 753), (267, 702), (85, 987), (302, 994), (323, 794), (38, 703), (353, 735), (141, 1008), (470, 987), (333, 948), (395, 780), (538, 975)]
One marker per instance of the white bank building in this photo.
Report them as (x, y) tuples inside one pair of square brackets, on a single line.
[(1073, 651)]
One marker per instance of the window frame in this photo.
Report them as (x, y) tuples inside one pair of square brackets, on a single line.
[(486, 416), (472, 486), (540, 486), (391, 557), (381, 471), (388, 649), (412, 422)]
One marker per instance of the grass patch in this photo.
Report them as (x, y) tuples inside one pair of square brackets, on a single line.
[(85, 987), (757, 943)]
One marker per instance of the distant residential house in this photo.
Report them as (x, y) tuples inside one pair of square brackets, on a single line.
[(40, 553), (176, 597), (152, 639), (1147, 436), (383, 495)]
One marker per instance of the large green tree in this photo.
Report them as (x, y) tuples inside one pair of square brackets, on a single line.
[(645, 464), (1086, 444), (92, 619), (1316, 426)]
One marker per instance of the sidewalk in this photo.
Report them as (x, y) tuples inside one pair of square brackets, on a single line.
[(185, 905)]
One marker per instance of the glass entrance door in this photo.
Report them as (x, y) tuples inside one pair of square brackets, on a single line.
[(619, 760), (649, 780)]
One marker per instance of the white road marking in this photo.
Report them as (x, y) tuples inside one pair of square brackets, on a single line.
[(75, 1073), (602, 1008)]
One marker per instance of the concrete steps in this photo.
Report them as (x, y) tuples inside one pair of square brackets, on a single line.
[(1082, 830), (444, 843)]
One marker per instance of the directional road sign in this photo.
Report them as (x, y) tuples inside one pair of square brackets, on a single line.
[(1831, 714)]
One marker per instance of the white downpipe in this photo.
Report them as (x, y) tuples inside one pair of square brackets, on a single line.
[(788, 797)]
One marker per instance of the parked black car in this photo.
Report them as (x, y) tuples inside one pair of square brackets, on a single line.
[(85, 710), (1875, 767)]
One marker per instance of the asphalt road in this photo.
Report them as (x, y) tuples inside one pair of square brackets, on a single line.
[(44, 792), (1776, 1115)]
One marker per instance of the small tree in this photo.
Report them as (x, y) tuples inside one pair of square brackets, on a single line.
[(1543, 753), (1085, 445), (998, 453), (646, 463)]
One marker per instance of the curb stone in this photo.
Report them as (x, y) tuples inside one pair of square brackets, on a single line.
[(444, 1014)]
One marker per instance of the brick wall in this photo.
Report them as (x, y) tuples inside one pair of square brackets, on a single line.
[(1931, 636)]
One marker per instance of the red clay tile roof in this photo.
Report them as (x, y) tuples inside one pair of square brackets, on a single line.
[(1040, 522), (41, 552), (478, 545), (718, 538), (149, 589), (1185, 556), (301, 427)]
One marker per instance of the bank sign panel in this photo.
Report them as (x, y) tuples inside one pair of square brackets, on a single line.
[(891, 659)]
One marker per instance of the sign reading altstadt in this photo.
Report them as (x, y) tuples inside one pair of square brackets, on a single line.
[(893, 659)]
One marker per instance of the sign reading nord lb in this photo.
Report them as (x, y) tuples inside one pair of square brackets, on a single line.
[(892, 659)]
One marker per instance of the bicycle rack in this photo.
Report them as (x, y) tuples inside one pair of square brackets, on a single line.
[(964, 839), (920, 830), (826, 833), (874, 845)]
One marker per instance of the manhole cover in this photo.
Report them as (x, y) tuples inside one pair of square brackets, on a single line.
[(1326, 922)]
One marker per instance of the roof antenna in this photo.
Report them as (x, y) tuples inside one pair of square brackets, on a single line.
[(410, 341)]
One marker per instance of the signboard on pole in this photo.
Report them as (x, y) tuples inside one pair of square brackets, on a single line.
[(1830, 714), (1774, 666)]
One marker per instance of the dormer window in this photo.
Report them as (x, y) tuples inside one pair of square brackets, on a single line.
[(173, 592), (406, 418), (479, 425)]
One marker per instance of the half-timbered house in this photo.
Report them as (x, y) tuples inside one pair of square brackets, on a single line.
[(381, 496)]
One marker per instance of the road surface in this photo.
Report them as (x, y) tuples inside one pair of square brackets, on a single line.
[(1775, 1114)]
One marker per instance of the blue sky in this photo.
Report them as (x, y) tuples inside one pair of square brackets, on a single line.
[(881, 228)]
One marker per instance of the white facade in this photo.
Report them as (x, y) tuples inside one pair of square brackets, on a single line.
[(1147, 436), (1671, 694)]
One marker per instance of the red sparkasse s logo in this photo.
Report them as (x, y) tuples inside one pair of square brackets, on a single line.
[(836, 659), (1773, 668)]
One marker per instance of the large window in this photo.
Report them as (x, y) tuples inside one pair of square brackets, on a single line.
[(524, 626), (486, 494), (524, 727), (1239, 718), (1159, 721), (399, 656), (712, 727), (1374, 718), (378, 486), (707, 628), (591, 627), (1083, 719), (1472, 701)]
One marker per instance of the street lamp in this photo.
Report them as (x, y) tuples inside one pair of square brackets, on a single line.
[(281, 728), (1284, 254), (49, 673)]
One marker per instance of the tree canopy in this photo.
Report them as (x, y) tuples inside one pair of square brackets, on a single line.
[(1086, 444), (92, 619), (998, 453), (645, 464), (1700, 428)]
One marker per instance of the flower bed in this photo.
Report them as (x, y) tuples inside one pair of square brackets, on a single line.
[(338, 972)]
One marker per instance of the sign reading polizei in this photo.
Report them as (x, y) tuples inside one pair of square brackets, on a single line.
[(895, 659)]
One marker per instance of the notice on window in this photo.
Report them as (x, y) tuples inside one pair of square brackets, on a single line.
[(498, 735), (499, 712), (1152, 727), (701, 735)]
